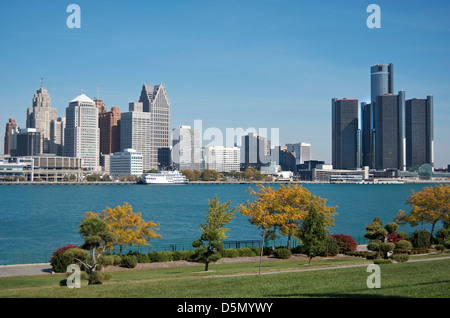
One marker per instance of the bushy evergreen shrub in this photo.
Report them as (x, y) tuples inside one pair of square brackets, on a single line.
[(402, 257), (330, 247), (163, 256), (96, 278), (421, 239), (129, 261), (382, 261), (245, 252), (230, 253), (282, 253), (440, 248)]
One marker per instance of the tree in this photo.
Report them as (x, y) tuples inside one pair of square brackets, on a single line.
[(128, 227), (382, 239), (213, 231), (207, 247), (217, 216), (313, 233), (96, 238), (430, 205)]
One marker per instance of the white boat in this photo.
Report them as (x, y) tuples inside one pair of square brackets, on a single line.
[(163, 177)]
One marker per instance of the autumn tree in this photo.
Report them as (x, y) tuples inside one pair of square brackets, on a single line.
[(430, 205), (213, 231), (128, 227)]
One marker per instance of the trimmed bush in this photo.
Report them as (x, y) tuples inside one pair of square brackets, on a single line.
[(330, 247), (230, 253), (421, 239), (447, 243), (282, 253), (129, 261), (96, 278), (245, 252), (345, 242), (440, 248), (106, 260), (382, 261), (60, 262), (402, 257), (256, 250), (164, 256)]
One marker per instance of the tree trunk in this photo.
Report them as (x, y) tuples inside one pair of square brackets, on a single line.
[(262, 249)]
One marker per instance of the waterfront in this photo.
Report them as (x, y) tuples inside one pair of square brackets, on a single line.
[(47, 217)]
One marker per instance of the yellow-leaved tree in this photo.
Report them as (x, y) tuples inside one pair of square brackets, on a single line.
[(128, 227), (284, 208), (430, 205)]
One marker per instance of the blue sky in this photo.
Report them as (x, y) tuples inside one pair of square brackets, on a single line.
[(261, 64)]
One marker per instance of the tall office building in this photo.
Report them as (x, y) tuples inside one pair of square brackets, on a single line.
[(186, 148), (57, 128), (11, 124), (419, 132), (255, 151), (28, 142), (285, 158), (82, 135), (109, 125), (390, 140), (381, 83), (302, 151), (345, 133), (40, 116), (155, 102), (136, 133)]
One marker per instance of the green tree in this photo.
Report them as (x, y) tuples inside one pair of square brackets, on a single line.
[(207, 247), (96, 237), (313, 233)]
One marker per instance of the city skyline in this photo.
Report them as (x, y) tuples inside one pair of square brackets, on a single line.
[(275, 68)]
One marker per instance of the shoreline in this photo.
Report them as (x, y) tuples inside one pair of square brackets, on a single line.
[(25, 183)]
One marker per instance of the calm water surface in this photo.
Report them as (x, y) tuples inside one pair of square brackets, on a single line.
[(46, 217)]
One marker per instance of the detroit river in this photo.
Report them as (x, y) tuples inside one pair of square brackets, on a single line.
[(46, 217)]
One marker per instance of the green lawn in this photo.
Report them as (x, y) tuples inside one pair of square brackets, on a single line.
[(411, 279)]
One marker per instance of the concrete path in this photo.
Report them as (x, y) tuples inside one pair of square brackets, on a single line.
[(25, 270)]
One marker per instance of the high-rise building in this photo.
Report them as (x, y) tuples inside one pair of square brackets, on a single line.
[(155, 102), (381, 83), (57, 128), (136, 133), (28, 142), (222, 159), (285, 158), (390, 140), (82, 135), (11, 124), (109, 124), (302, 151), (40, 116), (186, 148), (345, 133), (255, 151), (419, 132)]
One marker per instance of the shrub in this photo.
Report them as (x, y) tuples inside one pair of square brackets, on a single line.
[(160, 257), (230, 253), (116, 258), (60, 262), (402, 257), (245, 252), (129, 261), (96, 278), (421, 239), (404, 245), (106, 260), (382, 261), (447, 243), (256, 250), (182, 255), (282, 252), (345, 242), (440, 248), (143, 258), (442, 235)]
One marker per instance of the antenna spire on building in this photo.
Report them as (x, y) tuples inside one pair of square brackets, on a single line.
[(42, 82)]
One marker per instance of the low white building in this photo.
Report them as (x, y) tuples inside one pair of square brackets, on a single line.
[(128, 162)]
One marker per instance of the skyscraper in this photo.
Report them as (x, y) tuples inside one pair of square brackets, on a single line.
[(419, 132), (40, 115), (28, 142), (381, 80), (186, 148), (109, 125), (390, 140), (82, 135), (302, 151), (57, 130), (136, 133), (255, 151), (11, 124), (345, 133), (155, 102)]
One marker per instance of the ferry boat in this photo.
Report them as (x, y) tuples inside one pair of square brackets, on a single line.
[(163, 177)]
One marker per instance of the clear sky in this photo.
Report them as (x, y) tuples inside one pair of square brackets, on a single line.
[(247, 63)]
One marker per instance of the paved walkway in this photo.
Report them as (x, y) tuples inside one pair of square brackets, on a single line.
[(25, 270)]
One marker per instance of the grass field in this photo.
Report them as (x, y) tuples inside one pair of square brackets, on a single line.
[(280, 279)]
